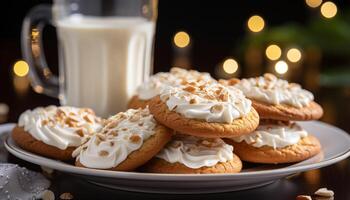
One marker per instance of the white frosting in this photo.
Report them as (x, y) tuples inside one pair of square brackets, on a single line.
[(196, 152), (122, 134), (272, 90), (210, 102), (276, 136), (61, 127), (175, 77)]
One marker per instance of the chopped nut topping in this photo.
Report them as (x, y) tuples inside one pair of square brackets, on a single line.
[(97, 141), (190, 89), (324, 192), (103, 153), (135, 138), (201, 87), (183, 82), (66, 196), (48, 195), (44, 122), (223, 97), (233, 81), (88, 118), (293, 85), (135, 118), (101, 137), (112, 124), (269, 77), (114, 133), (216, 108), (193, 101), (111, 143), (80, 132), (141, 124), (124, 129), (60, 113)]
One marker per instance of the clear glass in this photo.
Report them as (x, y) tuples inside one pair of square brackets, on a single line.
[(105, 50)]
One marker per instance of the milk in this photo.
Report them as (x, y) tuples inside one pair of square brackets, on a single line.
[(104, 60)]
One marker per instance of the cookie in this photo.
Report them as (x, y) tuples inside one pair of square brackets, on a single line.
[(127, 141), (55, 132), (157, 82), (193, 155), (277, 99), (276, 143), (135, 102), (205, 110), (286, 112)]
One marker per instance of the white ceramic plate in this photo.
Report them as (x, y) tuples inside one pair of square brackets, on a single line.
[(335, 147)]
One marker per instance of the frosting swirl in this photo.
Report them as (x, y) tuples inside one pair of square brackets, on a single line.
[(175, 77), (270, 89), (276, 136), (122, 134), (195, 152), (210, 102), (61, 127)]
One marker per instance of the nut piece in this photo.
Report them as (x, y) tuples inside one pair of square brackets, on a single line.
[(303, 197), (103, 153), (216, 108), (324, 192), (190, 89), (66, 196), (135, 138), (193, 101), (269, 77), (80, 132), (48, 195)]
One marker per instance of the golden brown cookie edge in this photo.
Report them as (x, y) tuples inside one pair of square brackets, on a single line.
[(288, 113), (304, 149), (157, 165), (199, 128), (26, 141)]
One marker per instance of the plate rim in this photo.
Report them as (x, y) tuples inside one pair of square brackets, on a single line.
[(61, 166)]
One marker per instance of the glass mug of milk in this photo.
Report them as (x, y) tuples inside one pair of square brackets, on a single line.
[(105, 51)]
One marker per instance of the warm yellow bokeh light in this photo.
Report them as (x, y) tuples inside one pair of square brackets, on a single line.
[(256, 23), (273, 52), (21, 68), (294, 55), (313, 3), (281, 67), (329, 9), (182, 39), (230, 66)]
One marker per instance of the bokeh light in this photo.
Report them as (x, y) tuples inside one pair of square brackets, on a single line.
[(294, 55), (281, 67), (329, 9), (313, 3), (256, 23), (230, 66), (273, 52), (182, 39), (21, 68)]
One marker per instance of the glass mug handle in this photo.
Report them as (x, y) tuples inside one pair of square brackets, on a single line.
[(42, 80)]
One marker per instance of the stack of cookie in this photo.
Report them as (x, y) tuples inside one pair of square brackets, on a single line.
[(278, 139), (181, 122), (202, 113)]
